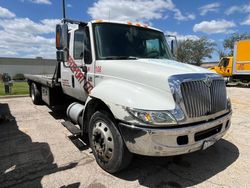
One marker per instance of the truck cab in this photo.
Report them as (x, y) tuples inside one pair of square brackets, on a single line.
[(130, 95), (225, 67), (236, 67)]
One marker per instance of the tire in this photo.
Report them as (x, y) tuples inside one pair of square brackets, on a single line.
[(35, 94), (107, 144)]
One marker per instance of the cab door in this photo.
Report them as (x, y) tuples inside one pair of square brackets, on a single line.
[(74, 74)]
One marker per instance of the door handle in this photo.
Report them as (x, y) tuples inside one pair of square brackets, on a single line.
[(73, 81)]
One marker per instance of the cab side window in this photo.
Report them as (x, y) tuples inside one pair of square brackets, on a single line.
[(82, 47), (78, 44), (226, 62)]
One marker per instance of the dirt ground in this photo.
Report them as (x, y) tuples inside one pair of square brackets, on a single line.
[(37, 151)]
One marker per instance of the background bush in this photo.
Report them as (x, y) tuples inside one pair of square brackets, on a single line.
[(18, 77)]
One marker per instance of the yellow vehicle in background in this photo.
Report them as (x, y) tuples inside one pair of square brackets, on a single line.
[(236, 66)]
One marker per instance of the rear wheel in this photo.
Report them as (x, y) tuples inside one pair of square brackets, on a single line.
[(107, 144), (35, 94)]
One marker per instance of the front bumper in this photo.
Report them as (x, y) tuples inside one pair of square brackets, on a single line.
[(176, 140)]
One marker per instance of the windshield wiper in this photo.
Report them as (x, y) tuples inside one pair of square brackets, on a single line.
[(119, 57)]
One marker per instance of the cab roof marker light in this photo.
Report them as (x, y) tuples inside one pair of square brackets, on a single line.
[(98, 21)]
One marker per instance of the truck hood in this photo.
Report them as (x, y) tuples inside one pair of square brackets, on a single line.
[(139, 84), (148, 72)]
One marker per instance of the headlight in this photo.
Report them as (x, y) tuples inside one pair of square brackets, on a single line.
[(153, 117)]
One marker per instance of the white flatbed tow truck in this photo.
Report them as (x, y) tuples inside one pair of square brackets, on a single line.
[(130, 95)]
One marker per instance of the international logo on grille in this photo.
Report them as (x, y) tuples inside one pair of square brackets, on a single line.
[(208, 81)]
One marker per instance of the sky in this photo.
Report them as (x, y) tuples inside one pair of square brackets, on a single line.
[(27, 26)]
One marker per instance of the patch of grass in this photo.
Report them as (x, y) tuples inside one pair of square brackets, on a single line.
[(19, 88)]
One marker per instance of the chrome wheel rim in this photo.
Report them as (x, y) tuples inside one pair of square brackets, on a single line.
[(103, 142), (32, 94)]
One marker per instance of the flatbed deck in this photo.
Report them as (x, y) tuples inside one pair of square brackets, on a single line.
[(42, 79)]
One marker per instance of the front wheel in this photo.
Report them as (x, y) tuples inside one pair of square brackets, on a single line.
[(107, 144)]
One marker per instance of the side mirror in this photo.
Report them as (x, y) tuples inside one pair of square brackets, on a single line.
[(87, 57), (62, 42), (84, 69), (173, 44), (174, 47), (61, 55), (61, 36)]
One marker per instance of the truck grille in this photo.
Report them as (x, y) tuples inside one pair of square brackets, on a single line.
[(202, 99)]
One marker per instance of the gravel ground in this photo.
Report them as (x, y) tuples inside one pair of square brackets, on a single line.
[(37, 151)]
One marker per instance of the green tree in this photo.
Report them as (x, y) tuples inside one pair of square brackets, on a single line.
[(194, 51), (184, 51), (221, 53), (229, 42)]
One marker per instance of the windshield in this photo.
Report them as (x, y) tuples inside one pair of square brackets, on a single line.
[(118, 41)]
